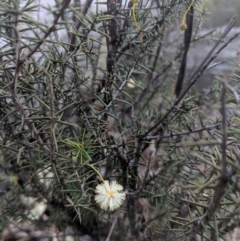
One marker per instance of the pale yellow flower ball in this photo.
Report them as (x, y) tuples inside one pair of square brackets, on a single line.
[(109, 196)]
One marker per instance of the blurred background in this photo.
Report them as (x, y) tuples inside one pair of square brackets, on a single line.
[(220, 11)]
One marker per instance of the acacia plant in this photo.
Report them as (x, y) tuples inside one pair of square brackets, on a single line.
[(102, 136)]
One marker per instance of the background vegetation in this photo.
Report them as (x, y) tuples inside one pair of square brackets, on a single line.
[(108, 90)]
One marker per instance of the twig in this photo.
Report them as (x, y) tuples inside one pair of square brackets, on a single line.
[(87, 5), (65, 4), (224, 131), (215, 64), (118, 90), (154, 29), (206, 128), (149, 80), (17, 45), (53, 141), (229, 26), (25, 116), (225, 176), (112, 227), (203, 36)]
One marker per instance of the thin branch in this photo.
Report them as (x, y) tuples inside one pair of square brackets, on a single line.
[(112, 227), (65, 4), (78, 25), (229, 26), (203, 36), (149, 79), (25, 116), (219, 191), (225, 176), (215, 64), (17, 44), (155, 30), (118, 90), (206, 128), (53, 142), (193, 79), (224, 131)]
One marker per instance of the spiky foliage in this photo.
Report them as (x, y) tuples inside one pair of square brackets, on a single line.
[(88, 97)]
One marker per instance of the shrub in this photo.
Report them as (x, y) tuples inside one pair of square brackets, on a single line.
[(101, 102)]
